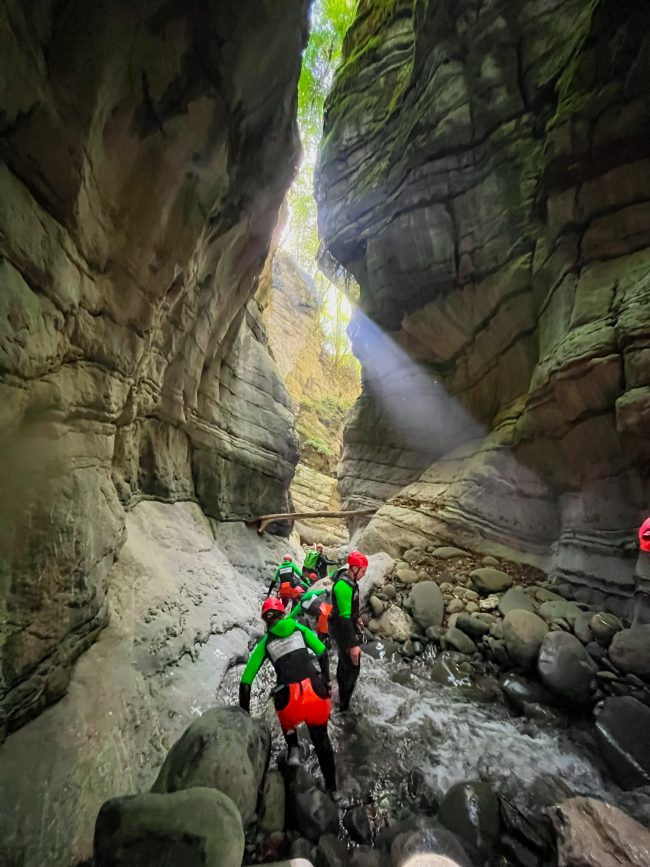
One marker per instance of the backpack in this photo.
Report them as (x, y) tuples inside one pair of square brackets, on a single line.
[(311, 558)]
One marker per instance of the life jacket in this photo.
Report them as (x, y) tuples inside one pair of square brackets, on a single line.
[(323, 622), (286, 648), (319, 605), (311, 559), (289, 582), (354, 613)]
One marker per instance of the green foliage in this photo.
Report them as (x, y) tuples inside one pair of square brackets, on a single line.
[(319, 446), (330, 410)]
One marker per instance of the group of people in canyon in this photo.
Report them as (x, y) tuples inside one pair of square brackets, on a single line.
[(302, 693)]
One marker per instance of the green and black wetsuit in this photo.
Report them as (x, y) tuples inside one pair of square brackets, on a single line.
[(343, 629), (300, 689), (291, 581)]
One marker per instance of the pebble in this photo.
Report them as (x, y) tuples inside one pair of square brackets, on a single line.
[(389, 591), (471, 607), (489, 560), (454, 606), (490, 603), (446, 587)]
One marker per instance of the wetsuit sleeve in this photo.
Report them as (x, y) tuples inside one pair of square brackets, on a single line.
[(296, 611), (347, 629), (255, 661), (314, 643)]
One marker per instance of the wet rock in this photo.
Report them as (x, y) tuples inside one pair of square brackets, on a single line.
[(459, 641), (565, 667), (408, 649), (455, 606), (555, 610), (448, 552), (521, 692), (224, 749), (630, 650), (331, 852), (357, 825), (472, 626), (547, 790), (380, 648), (582, 628), (523, 633), (295, 862), (389, 591), (315, 813), (533, 830), (446, 671), (428, 837), (395, 624), (605, 626), (376, 606), (364, 856), (406, 575), (595, 650), (471, 811), (272, 809), (516, 598), (623, 733), (591, 833), (487, 579), (195, 827), (499, 652), (302, 848), (435, 633), (426, 604)]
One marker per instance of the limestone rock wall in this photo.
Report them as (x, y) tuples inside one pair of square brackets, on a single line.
[(484, 175), (145, 151)]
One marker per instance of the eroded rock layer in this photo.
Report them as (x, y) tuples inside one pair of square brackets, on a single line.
[(485, 177), (145, 152)]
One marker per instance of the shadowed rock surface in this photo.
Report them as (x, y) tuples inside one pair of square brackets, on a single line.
[(145, 153), (484, 176)]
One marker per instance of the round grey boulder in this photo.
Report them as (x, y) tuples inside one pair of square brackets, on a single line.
[(565, 667), (471, 811), (427, 604), (487, 579), (605, 626), (623, 734), (223, 749), (195, 827), (523, 633), (456, 639), (630, 651), (516, 598)]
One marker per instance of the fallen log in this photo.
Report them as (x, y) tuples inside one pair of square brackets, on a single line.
[(264, 520)]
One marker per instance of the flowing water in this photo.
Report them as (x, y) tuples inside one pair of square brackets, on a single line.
[(408, 738)]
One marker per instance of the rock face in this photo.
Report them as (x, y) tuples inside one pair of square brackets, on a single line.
[(485, 177), (623, 735), (145, 154), (594, 834)]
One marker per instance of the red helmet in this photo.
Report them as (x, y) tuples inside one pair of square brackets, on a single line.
[(644, 535), (356, 558), (272, 604)]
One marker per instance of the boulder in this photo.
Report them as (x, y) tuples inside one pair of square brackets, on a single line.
[(357, 825), (623, 733), (426, 604), (302, 849), (331, 852), (448, 552), (453, 637), (195, 827), (523, 633), (487, 579), (630, 650), (223, 749), (394, 623), (272, 809), (389, 591), (556, 610), (426, 838), (380, 566), (565, 667), (315, 813), (406, 575), (472, 626), (591, 833), (604, 627), (521, 692), (582, 627), (364, 856), (471, 811), (376, 606), (516, 598)]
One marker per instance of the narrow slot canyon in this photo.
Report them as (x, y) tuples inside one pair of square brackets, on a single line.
[(386, 259)]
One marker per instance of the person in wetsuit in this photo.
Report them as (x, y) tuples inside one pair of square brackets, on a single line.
[(302, 694), (322, 562), (345, 626), (292, 582), (317, 605)]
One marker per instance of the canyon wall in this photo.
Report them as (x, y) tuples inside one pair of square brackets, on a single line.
[(146, 150), (485, 176)]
